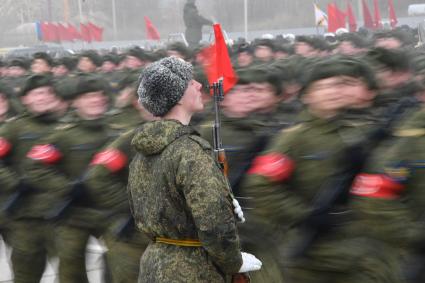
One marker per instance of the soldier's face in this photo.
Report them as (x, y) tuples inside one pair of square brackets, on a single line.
[(108, 66), (263, 97), (132, 62), (304, 49), (16, 71), (91, 105), (237, 102), (327, 96), (192, 98), (388, 43), (60, 70), (244, 59), (86, 65), (39, 66), (264, 53), (40, 100)]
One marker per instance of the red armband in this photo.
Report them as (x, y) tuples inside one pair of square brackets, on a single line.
[(111, 158), (5, 147), (45, 153), (274, 166), (376, 186)]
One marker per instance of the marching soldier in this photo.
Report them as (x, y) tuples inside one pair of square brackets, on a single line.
[(55, 168), (297, 192), (20, 205)]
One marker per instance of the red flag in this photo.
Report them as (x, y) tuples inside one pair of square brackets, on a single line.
[(151, 31), (217, 62), (352, 22), (340, 15), (85, 33), (368, 22), (54, 32), (336, 18), (377, 21), (96, 32), (73, 32), (45, 31), (63, 33), (393, 17)]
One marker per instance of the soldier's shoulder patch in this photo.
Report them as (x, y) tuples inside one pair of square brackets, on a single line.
[(113, 112), (398, 173), (293, 128), (65, 126), (410, 132), (116, 126), (207, 124), (11, 119), (203, 143)]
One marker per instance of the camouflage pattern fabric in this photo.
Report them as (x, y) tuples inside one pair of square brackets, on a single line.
[(178, 192)]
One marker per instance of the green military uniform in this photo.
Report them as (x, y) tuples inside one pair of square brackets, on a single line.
[(388, 195), (58, 169), (106, 183), (190, 199), (283, 183), (29, 249)]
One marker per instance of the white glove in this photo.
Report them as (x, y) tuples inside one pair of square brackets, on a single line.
[(249, 263), (238, 210)]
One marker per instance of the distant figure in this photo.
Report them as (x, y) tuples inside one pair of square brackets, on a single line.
[(194, 23)]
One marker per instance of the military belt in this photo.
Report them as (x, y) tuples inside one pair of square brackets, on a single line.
[(180, 243)]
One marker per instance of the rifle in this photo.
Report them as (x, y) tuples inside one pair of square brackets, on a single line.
[(220, 155)]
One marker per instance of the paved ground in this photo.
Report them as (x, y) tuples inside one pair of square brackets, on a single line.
[(94, 264)]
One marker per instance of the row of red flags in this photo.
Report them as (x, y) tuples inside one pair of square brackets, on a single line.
[(57, 32), (337, 17)]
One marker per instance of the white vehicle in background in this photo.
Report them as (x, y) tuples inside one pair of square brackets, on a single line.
[(416, 10)]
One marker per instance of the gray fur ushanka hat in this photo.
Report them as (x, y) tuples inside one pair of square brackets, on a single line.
[(163, 83)]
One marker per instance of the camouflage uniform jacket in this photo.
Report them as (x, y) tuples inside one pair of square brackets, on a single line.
[(178, 192)]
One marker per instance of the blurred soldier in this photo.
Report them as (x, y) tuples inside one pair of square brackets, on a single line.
[(56, 167), (89, 61), (137, 58), (264, 50), (397, 87), (109, 72), (178, 49), (188, 214), (392, 39), (41, 63), (351, 44), (388, 194), (248, 124), (248, 118), (304, 46), (244, 56), (124, 114), (106, 183), (298, 196), (193, 22), (63, 66), (19, 203), (6, 177)]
